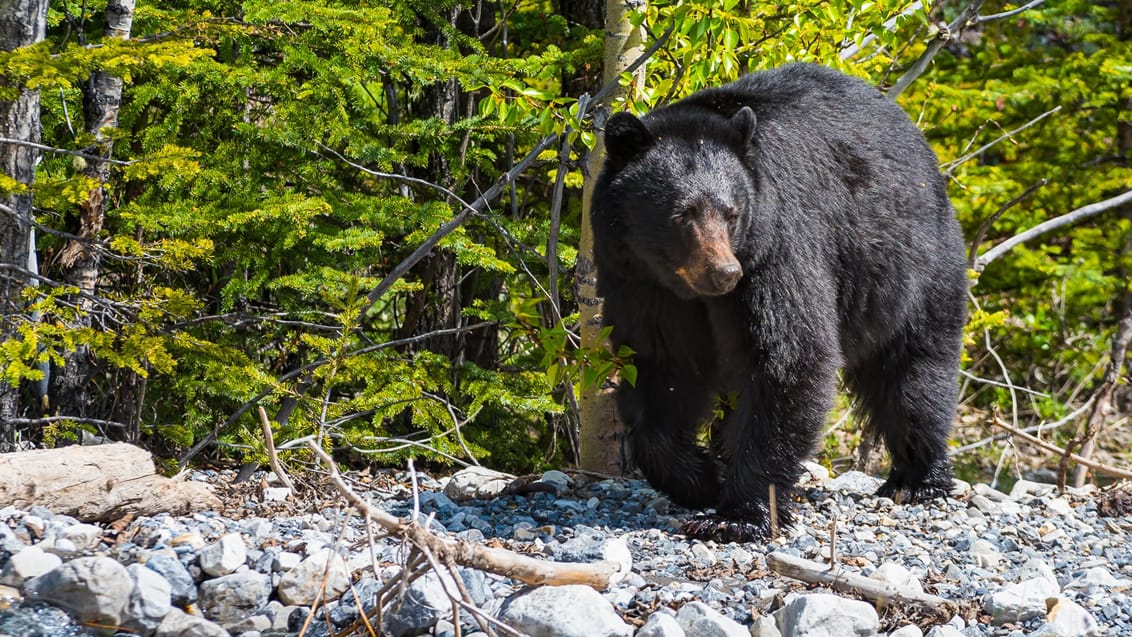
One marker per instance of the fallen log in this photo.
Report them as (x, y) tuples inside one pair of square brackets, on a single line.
[(97, 483), (876, 591)]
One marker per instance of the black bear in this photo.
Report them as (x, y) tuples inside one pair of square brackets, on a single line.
[(752, 239)]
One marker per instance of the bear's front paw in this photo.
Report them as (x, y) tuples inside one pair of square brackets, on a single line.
[(722, 529), (903, 494)]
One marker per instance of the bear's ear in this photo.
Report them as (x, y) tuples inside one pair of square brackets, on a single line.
[(626, 137), (743, 123)]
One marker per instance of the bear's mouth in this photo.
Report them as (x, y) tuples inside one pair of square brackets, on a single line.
[(711, 278)]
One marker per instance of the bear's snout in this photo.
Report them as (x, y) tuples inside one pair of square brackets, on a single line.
[(725, 277)]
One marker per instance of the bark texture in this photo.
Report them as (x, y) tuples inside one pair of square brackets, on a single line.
[(78, 260), (22, 23), (601, 436)]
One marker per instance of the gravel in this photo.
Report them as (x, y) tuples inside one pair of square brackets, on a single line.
[(1028, 562)]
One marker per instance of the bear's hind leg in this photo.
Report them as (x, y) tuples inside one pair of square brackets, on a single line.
[(907, 393)]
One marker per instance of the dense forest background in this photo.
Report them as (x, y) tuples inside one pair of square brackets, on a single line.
[(213, 205)]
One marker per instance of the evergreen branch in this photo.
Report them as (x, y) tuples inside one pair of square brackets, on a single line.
[(1084, 212), (479, 205), (309, 367), (64, 151)]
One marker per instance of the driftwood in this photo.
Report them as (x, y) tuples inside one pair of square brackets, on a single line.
[(97, 483), (598, 575), (873, 590)]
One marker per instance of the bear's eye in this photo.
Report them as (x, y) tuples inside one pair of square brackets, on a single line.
[(730, 215), (684, 215)]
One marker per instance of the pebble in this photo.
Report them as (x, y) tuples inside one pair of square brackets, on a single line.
[(1028, 562)]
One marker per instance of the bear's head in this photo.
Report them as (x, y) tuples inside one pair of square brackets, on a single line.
[(682, 192)]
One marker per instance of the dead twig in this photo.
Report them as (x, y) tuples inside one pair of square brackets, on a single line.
[(1099, 467), (272, 456), (873, 590)]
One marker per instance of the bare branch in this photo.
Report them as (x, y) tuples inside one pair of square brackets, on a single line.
[(1009, 14), (1084, 212), (63, 151), (871, 589), (1099, 467), (949, 167), (272, 457), (981, 233), (946, 33), (967, 18)]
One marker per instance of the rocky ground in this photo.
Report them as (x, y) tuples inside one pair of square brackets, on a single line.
[(1028, 562)]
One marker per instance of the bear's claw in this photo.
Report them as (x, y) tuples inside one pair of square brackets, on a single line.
[(721, 529)]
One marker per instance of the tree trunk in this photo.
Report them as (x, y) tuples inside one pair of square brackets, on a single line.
[(601, 434), (102, 95), (22, 22)]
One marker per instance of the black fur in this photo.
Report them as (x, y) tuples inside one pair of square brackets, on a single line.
[(830, 201)]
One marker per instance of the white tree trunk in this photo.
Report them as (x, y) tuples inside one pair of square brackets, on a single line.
[(22, 22)]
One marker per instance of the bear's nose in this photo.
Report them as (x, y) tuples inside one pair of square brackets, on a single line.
[(725, 277)]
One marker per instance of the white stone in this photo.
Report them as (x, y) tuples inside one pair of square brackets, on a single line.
[(149, 601), (1097, 577), (1020, 602), (985, 554), (177, 623), (765, 626), (1035, 567), (944, 630), (661, 625), (225, 556), (908, 630), (558, 479), (1067, 618), (897, 578), (84, 536), (563, 611), (29, 562), (1024, 488), (854, 482), (300, 586), (825, 615), (990, 492), (476, 482), (276, 494), (700, 620)]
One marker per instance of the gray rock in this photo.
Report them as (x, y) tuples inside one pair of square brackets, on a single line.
[(563, 611), (825, 615), (985, 554), (149, 599), (661, 625), (765, 626), (301, 585), (29, 562), (423, 604), (897, 578), (85, 537), (701, 620), (854, 482), (182, 588), (224, 556), (476, 482), (177, 623), (1035, 567), (1024, 488), (560, 480), (1067, 618), (92, 589), (230, 598), (1096, 578), (1020, 602)]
